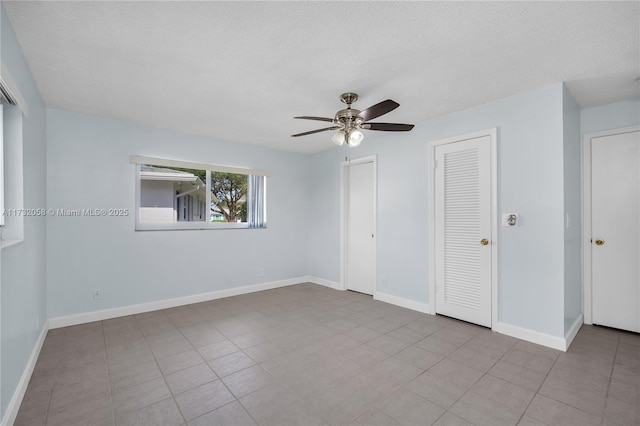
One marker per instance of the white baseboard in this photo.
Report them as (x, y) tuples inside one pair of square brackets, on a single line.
[(18, 395), (532, 336), (327, 283), (104, 314), (573, 331), (402, 302)]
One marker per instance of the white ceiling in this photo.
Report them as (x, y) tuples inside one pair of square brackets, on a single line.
[(240, 71)]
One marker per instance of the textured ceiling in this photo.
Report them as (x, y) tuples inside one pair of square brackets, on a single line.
[(240, 71)]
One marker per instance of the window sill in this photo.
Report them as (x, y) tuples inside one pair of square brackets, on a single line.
[(8, 243), (194, 226)]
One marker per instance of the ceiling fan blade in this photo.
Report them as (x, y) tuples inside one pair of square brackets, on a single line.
[(388, 127), (378, 109), (307, 117), (316, 131)]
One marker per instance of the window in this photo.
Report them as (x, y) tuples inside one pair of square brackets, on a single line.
[(175, 194), (12, 211)]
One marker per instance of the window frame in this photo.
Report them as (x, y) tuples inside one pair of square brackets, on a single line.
[(2, 221), (138, 160)]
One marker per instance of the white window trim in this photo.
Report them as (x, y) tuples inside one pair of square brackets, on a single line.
[(12, 230), (12, 88), (1, 164), (195, 225), (139, 159)]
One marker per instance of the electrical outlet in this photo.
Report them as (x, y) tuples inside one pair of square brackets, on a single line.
[(261, 272), (97, 295), (384, 281)]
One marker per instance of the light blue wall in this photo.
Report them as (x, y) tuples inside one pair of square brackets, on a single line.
[(23, 266), (572, 156), (89, 168), (324, 220), (530, 182), (610, 116)]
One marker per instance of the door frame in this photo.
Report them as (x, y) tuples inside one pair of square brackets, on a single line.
[(587, 283), (344, 185), (492, 133)]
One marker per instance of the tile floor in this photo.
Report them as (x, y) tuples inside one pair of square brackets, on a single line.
[(309, 355)]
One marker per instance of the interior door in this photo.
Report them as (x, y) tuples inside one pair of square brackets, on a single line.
[(615, 230), (361, 250), (463, 230)]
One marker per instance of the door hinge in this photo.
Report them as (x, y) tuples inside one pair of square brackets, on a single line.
[(435, 164)]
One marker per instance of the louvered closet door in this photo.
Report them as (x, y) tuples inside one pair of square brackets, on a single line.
[(463, 230)]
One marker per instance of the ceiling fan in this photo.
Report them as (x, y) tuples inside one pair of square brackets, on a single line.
[(349, 122)]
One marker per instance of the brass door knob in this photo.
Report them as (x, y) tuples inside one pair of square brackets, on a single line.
[(484, 241), (599, 242)]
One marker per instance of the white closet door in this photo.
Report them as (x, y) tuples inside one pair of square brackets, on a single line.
[(615, 229), (463, 230), (361, 248)]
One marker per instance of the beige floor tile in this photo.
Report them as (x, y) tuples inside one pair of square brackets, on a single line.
[(626, 374), (408, 408), (163, 413), (536, 362), (265, 403), (508, 394), (623, 391), (437, 389), (374, 417), (388, 344), (324, 356), (163, 348), (521, 376), (396, 370), (586, 363), (230, 414), (529, 421), (248, 340), (484, 411), (248, 380), (437, 345), (99, 413), (579, 377), (621, 413), (451, 419), (263, 352), (362, 334), (231, 363), (130, 376), (366, 355), (198, 401), (217, 349), (475, 360), (456, 372), (578, 396), (552, 412), (418, 357), (189, 378), (180, 361), (138, 396)]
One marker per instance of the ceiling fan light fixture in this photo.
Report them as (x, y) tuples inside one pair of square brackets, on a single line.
[(338, 138), (349, 122), (355, 137)]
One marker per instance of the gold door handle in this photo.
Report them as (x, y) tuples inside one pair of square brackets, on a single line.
[(599, 242), (484, 241)]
